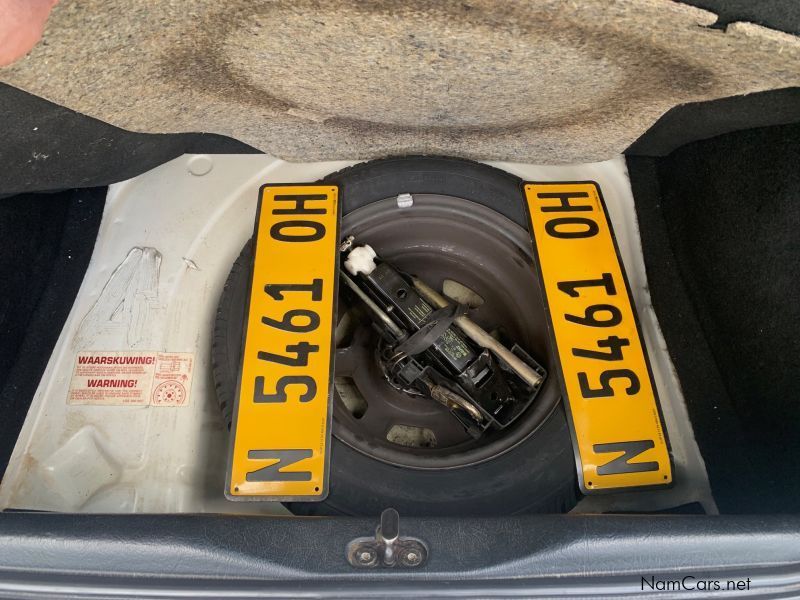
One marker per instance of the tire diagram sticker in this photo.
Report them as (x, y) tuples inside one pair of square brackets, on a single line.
[(169, 392), (132, 378)]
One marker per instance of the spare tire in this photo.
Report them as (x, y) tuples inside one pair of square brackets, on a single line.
[(528, 468)]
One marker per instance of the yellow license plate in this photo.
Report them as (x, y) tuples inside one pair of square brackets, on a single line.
[(282, 418), (613, 408)]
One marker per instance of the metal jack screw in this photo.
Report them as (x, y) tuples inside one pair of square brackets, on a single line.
[(387, 548)]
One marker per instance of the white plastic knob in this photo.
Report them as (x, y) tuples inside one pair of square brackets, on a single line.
[(361, 260)]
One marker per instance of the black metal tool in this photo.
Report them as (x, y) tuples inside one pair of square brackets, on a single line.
[(423, 351)]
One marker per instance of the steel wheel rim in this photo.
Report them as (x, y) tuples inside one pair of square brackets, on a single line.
[(443, 235)]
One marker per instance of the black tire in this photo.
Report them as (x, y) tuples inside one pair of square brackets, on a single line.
[(536, 476)]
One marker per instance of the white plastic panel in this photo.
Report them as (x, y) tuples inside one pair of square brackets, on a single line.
[(166, 244)]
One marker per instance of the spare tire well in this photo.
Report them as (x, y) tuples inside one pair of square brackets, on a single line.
[(535, 473)]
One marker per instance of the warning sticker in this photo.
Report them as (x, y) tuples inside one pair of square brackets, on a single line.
[(132, 378)]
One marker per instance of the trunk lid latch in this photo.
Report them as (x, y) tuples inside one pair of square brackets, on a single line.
[(387, 548)]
